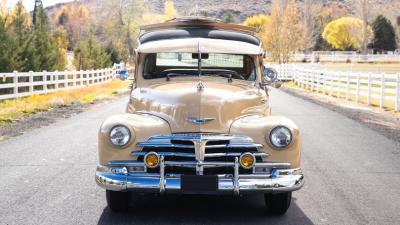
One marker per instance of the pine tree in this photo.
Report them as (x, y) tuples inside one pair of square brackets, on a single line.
[(384, 34), (6, 49), (228, 18), (89, 55), (18, 26), (47, 54), (38, 6)]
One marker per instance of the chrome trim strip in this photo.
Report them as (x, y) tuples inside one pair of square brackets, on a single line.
[(200, 163), (235, 141), (207, 155), (236, 177), (169, 145), (162, 175)]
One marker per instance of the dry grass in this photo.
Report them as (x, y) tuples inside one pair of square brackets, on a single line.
[(10, 110)]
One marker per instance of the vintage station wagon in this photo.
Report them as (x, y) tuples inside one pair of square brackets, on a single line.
[(198, 120)]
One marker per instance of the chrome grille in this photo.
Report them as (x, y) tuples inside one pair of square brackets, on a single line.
[(199, 147)]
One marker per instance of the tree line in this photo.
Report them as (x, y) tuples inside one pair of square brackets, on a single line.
[(291, 27)]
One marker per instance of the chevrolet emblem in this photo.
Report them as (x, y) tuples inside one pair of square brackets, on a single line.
[(198, 120)]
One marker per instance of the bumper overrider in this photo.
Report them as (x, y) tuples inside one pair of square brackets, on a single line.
[(207, 152)]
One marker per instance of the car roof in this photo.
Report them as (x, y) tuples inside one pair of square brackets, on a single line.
[(194, 45)]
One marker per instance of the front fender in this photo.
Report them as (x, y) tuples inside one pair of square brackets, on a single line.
[(141, 126), (259, 127)]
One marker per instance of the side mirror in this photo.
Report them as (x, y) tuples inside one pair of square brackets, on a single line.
[(270, 75)]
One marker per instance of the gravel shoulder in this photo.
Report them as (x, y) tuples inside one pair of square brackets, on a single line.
[(385, 122)]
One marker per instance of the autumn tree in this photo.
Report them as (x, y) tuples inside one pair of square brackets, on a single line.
[(310, 10), (384, 34), (74, 18), (257, 21), (169, 10), (283, 34), (365, 10), (346, 33), (325, 16)]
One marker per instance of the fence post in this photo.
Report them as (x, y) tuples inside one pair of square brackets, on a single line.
[(369, 90), (44, 81), (331, 84), (348, 86), (15, 81), (56, 74), (358, 88), (30, 82), (339, 90), (397, 101), (382, 101)]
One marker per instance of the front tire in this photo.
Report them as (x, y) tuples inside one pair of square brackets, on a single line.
[(278, 204), (118, 201)]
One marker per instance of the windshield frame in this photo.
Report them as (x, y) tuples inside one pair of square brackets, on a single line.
[(201, 70)]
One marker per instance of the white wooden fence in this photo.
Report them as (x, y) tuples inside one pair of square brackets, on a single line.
[(344, 57), (21, 84), (381, 89)]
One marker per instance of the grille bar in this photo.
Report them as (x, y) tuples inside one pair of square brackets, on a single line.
[(209, 155)]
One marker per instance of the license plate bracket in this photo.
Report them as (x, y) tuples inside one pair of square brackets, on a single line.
[(199, 183)]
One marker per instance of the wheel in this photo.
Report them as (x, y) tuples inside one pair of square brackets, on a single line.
[(118, 201), (278, 203)]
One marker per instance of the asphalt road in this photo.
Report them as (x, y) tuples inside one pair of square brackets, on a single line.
[(352, 176)]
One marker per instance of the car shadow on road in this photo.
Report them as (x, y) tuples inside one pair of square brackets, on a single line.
[(202, 210)]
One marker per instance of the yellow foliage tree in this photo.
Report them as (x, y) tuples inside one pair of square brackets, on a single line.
[(74, 18), (169, 10), (346, 33), (257, 21), (3, 10), (283, 33)]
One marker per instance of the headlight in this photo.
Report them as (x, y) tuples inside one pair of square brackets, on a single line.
[(280, 137), (120, 135)]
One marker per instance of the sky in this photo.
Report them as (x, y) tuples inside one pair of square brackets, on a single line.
[(29, 4)]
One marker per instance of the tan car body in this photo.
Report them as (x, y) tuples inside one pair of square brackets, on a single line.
[(160, 107)]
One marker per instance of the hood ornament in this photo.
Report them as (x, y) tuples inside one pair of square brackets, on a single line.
[(200, 86), (198, 120)]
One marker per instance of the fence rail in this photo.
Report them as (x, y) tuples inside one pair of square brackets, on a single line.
[(380, 89), (344, 57), (21, 84)]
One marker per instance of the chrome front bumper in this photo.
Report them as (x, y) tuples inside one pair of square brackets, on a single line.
[(279, 179)]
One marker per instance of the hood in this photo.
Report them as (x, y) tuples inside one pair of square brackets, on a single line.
[(180, 103)]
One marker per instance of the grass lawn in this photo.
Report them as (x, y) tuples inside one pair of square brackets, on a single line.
[(362, 67), (12, 109)]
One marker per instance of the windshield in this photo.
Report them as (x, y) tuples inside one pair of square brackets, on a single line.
[(169, 65)]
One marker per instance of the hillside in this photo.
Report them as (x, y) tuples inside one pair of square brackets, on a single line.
[(239, 8)]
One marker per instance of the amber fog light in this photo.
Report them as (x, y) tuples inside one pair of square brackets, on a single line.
[(247, 160), (152, 160)]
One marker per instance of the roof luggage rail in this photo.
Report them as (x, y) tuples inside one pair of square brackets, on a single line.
[(198, 22)]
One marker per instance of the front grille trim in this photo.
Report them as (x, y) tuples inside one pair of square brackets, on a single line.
[(184, 150)]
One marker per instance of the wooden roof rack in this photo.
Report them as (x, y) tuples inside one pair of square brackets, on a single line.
[(198, 22)]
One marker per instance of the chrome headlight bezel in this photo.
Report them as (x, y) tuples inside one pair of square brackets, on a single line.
[(274, 131), (128, 133)]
